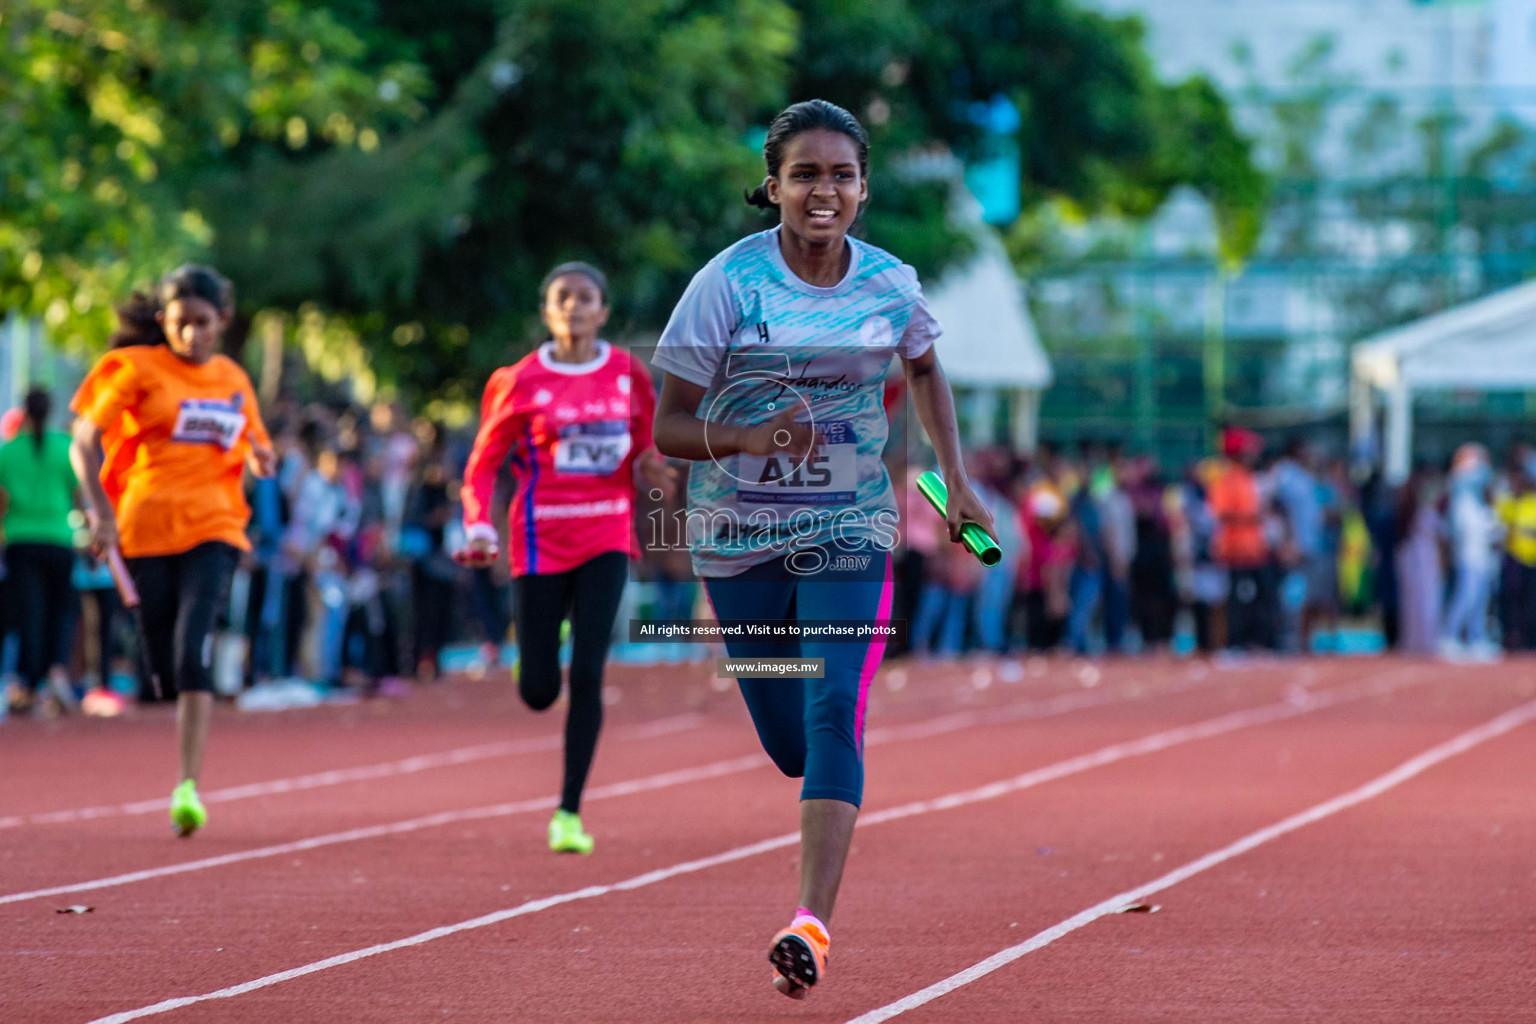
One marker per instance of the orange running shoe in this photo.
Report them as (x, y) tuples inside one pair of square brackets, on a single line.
[(799, 958)]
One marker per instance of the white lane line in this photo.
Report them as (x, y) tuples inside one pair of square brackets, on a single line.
[(1296, 703), (1121, 751), (1038, 708), (505, 748), (1402, 773), (364, 773), (1043, 708), (543, 803)]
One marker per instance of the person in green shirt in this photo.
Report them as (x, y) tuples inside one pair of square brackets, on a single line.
[(37, 494)]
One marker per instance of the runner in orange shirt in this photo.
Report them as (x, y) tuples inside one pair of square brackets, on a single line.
[(179, 424)]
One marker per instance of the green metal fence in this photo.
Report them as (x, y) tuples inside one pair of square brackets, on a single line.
[(1153, 353)]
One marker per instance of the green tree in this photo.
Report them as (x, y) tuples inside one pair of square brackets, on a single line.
[(1098, 127), (622, 142), (610, 130), (394, 179), (116, 115)]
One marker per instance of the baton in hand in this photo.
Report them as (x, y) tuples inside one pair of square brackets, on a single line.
[(972, 535), (121, 579)]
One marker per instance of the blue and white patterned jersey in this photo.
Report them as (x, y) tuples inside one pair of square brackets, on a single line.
[(757, 336)]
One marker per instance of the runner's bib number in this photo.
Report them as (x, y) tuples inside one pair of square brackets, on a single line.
[(830, 477), (210, 421), (594, 448)]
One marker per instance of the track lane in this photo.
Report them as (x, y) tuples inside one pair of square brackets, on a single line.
[(466, 718), (89, 762), (39, 859), (140, 849), (1263, 976), (789, 840), (408, 765), (710, 925)]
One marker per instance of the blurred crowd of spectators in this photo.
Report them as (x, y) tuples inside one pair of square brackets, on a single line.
[(350, 578), (351, 581), (1249, 550)]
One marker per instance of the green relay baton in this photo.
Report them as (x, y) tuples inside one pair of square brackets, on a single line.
[(971, 535)]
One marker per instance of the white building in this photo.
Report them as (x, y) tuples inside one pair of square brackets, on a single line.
[(1485, 50)]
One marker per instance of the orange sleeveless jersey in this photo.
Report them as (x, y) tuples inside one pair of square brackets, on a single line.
[(174, 437), (1235, 501)]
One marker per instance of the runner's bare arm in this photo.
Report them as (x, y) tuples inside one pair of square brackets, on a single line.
[(262, 460), (935, 406), (85, 457), (651, 470)]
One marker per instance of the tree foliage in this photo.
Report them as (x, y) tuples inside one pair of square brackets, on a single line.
[(617, 136), (1099, 129), (115, 113), (406, 173)]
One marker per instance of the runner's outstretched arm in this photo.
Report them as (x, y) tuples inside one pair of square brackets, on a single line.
[(936, 409), (262, 460), (85, 456), (501, 422), (649, 467)]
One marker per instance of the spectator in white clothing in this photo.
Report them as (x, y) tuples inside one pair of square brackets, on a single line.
[(1475, 532)]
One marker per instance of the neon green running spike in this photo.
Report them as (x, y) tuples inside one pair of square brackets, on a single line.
[(566, 835), (187, 812)]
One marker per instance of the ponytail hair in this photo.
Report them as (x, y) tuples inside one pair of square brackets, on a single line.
[(138, 319), (38, 404), (138, 322), (807, 116)]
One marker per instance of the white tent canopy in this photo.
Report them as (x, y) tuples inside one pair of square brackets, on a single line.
[(990, 349), (989, 338), (1487, 345)]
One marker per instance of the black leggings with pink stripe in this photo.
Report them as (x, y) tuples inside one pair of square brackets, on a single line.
[(811, 728)]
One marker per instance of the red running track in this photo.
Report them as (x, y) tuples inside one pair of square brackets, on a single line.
[(1325, 841)]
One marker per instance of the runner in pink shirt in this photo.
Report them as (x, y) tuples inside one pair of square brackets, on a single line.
[(575, 418)]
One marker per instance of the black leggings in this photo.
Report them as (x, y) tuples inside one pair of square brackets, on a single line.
[(46, 607), (590, 594), (432, 605), (181, 597)]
